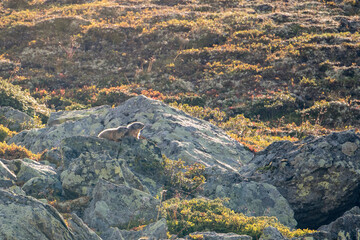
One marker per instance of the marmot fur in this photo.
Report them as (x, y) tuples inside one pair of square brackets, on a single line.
[(116, 134)]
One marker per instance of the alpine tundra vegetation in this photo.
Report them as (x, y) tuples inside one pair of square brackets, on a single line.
[(251, 111)]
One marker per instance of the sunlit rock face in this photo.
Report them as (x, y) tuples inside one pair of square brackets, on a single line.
[(177, 134)]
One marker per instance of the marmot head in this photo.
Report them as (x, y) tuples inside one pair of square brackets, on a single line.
[(136, 126), (134, 129)]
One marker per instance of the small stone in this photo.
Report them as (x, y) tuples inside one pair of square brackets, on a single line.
[(349, 148)]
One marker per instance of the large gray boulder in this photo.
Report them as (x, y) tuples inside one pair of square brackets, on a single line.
[(132, 162), (23, 217), (37, 179), (28, 169), (248, 197), (319, 176), (177, 134), (120, 206)]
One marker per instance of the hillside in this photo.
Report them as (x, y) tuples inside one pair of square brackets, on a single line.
[(291, 67), (251, 112)]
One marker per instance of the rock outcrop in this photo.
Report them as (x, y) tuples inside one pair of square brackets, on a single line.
[(177, 134), (28, 169), (319, 176), (37, 179), (87, 163), (136, 163)]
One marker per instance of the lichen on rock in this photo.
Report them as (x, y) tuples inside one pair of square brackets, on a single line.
[(177, 134), (24, 217), (319, 176), (114, 205)]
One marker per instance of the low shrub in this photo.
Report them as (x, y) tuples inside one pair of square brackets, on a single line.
[(112, 96), (206, 113), (13, 151), (5, 132), (272, 105), (199, 214), (333, 114)]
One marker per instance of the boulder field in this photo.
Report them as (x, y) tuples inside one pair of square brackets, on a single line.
[(104, 188)]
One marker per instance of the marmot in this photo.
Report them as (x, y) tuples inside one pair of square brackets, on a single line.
[(116, 134)]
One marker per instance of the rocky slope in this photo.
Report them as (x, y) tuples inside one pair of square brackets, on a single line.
[(105, 188), (264, 71)]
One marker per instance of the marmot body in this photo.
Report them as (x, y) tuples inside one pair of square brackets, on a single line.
[(116, 134)]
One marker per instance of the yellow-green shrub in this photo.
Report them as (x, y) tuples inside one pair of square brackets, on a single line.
[(199, 214), (5, 132), (13, 151), (206, 113)]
